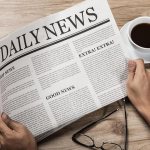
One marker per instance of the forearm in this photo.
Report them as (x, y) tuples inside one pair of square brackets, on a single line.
[(142, 105), (145, 112)]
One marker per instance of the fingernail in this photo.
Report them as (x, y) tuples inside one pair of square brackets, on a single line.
[(4, 115)]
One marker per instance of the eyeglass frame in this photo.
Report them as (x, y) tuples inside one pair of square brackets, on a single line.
[(91, 124)]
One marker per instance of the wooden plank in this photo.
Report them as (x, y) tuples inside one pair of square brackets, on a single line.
[(15, 14)]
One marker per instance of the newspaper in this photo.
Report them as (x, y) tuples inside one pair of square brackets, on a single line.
[(62, 67)]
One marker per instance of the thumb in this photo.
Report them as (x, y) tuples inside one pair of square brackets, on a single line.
[(131, 70), (14, 125)]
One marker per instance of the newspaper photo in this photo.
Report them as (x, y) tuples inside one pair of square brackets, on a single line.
[(62, 67)]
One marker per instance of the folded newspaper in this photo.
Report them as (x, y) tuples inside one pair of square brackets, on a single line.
[(62, 67)]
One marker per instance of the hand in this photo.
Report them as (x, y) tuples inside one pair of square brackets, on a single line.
[(15, 136), (138, 87)]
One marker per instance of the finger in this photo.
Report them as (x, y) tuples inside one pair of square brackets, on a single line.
[(140, 69), (131, 70), (14, 125), (4, 129)]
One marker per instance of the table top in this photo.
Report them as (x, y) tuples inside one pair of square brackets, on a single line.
[(15, 14)]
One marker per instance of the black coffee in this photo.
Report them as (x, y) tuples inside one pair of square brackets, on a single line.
[(140, 35)]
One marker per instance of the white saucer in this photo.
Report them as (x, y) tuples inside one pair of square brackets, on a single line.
[(130, 51)]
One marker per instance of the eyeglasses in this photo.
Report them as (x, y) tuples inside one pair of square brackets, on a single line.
[(87, 141)]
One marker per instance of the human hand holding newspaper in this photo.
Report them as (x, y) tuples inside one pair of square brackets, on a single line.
[(62, 67), (138, 87), (15, 136)]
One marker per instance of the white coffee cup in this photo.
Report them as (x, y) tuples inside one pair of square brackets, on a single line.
[(133, 23)]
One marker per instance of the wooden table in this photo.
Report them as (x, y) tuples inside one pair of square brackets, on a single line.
[(17, 13)]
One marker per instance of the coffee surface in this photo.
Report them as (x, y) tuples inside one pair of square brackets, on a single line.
[(140, 35)]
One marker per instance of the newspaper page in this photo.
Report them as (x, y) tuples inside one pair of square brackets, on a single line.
[(62, 67)]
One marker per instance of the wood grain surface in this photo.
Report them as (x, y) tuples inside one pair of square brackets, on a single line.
[(18, 13)]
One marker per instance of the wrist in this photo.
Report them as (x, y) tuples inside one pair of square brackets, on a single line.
[(145, 112)]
